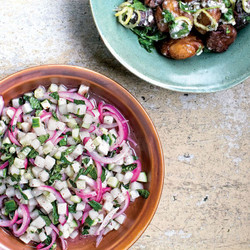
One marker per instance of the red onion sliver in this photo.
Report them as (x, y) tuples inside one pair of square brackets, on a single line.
[(26, 221), (99, 238), (98, 182), (53, 236), (39, 246), (122, 131), (54, 192), (4, 165), (136, 171), (9, 223), (86, 213), (1, 105), (13, 139), (108, 160), (76, 96), (2, 197), (106, 220), (54, 228)]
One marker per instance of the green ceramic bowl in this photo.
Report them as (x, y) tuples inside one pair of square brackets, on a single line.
[(208, 72)]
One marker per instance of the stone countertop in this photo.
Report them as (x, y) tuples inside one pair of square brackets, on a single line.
[(205, 137)]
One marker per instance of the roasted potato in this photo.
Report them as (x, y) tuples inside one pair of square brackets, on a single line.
[(162, 26), (152, 3), (222, 38), (181, 48), (172, 6)]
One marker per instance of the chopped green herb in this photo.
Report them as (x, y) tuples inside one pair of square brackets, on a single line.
[(72, 208), (228, 16), (69, 150), (46, 219), (103, 175), (143, 193), (21, 191), (138, 5), (79, 102), (55, 174), (34, 103), (26, 98), (227, 3), (148, 36), (63, 142), (185, 7), (54, 115), (5, 171), (54, 95), (126, 186), (20, 101), (85, 161), (93, 172), (43, 138), (10, 206), (38, 112), (47, 241), (55, 216), (85, 230), (32, 154), (72, 183), (83, 171), (116, 204), (168, 16), (95, 205), (181, 32), (131, 167), (89, 221)]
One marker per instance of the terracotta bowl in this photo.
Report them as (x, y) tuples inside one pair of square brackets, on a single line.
[(139, 213)]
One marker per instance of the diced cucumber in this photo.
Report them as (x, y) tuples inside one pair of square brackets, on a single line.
[(142, 177), (36, 122), (112, 182), (75, 199), (23, 154), (111, 166)]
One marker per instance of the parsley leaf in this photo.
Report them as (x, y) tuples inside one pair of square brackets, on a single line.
[(54, 95), (54, 115), (34, 103), (95, 205), (138, 5), (143, 193), (147, 37), (43, 138), (55, 216), (131, 167)]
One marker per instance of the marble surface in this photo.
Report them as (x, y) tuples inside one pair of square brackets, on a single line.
[(205, 137)]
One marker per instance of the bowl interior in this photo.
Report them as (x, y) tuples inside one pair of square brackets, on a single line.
[(141, 211), (205, 73)]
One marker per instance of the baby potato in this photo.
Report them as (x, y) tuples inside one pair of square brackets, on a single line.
[(181, 48), (219, 40), (172, 6), (152, 3), (162, 26)]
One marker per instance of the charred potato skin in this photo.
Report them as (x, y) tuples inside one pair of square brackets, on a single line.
[(153, 3), (180, 49), (240, 16), (219, 40)]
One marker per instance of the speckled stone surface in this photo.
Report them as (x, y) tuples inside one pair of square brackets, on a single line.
[(205, 137)]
